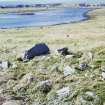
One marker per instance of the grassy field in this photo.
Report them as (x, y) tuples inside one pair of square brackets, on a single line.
[(84, 36)]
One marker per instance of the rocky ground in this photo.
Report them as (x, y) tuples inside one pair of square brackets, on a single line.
[(54, 79)]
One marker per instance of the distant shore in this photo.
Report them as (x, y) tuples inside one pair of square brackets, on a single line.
[(33, 9), (85, 15)]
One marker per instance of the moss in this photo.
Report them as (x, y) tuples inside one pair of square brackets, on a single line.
[(100, 90)]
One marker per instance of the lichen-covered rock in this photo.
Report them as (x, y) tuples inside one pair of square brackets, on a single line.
[(103, 73), (83, 66), (14, 65), (68, 71), (28, 79), (87, 57), (69, 56), (89, 98), (17, 87), (42, 70), (4, 65), (12, 102), (55, 68), (63, 92), (45, 86), (37, 103), (11, 83)]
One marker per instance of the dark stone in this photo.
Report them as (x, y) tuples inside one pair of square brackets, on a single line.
[(64, 51), (83, 66), (38, 50), (45, 86)]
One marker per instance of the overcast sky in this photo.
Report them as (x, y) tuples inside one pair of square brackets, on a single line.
[(51, 1)]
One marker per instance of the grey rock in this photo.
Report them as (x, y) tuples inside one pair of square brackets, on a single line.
[(83, 66), (63, 92), (37, 103), (103, 73), (4, 65), (1, 90), (14, 65), (55, 68), (18, 87), (91, 97), (28, 79), (45, 86), (69, 56), (11, 83), (68, 71), (87, 57), (42, 70), (23, 56), (12, 102)]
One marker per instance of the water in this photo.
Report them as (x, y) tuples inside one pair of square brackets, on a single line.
[(42, 18)]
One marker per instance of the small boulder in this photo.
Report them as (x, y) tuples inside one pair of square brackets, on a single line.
[(4, 65), (63, 51), (103, 74), (28, 78), (87, 57), (68, 71), (83, 66), (11, 83), (42, 70), (88, 98), (91, 96), (14, 65), (45, 86), (37, 50), (65, 91), (69, 56), (55, 68), (12, 102)]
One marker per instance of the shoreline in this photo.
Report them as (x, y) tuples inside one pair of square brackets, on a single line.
[(25, 10), (85, 16)]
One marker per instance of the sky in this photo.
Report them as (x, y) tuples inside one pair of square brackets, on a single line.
[(50, 1)]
